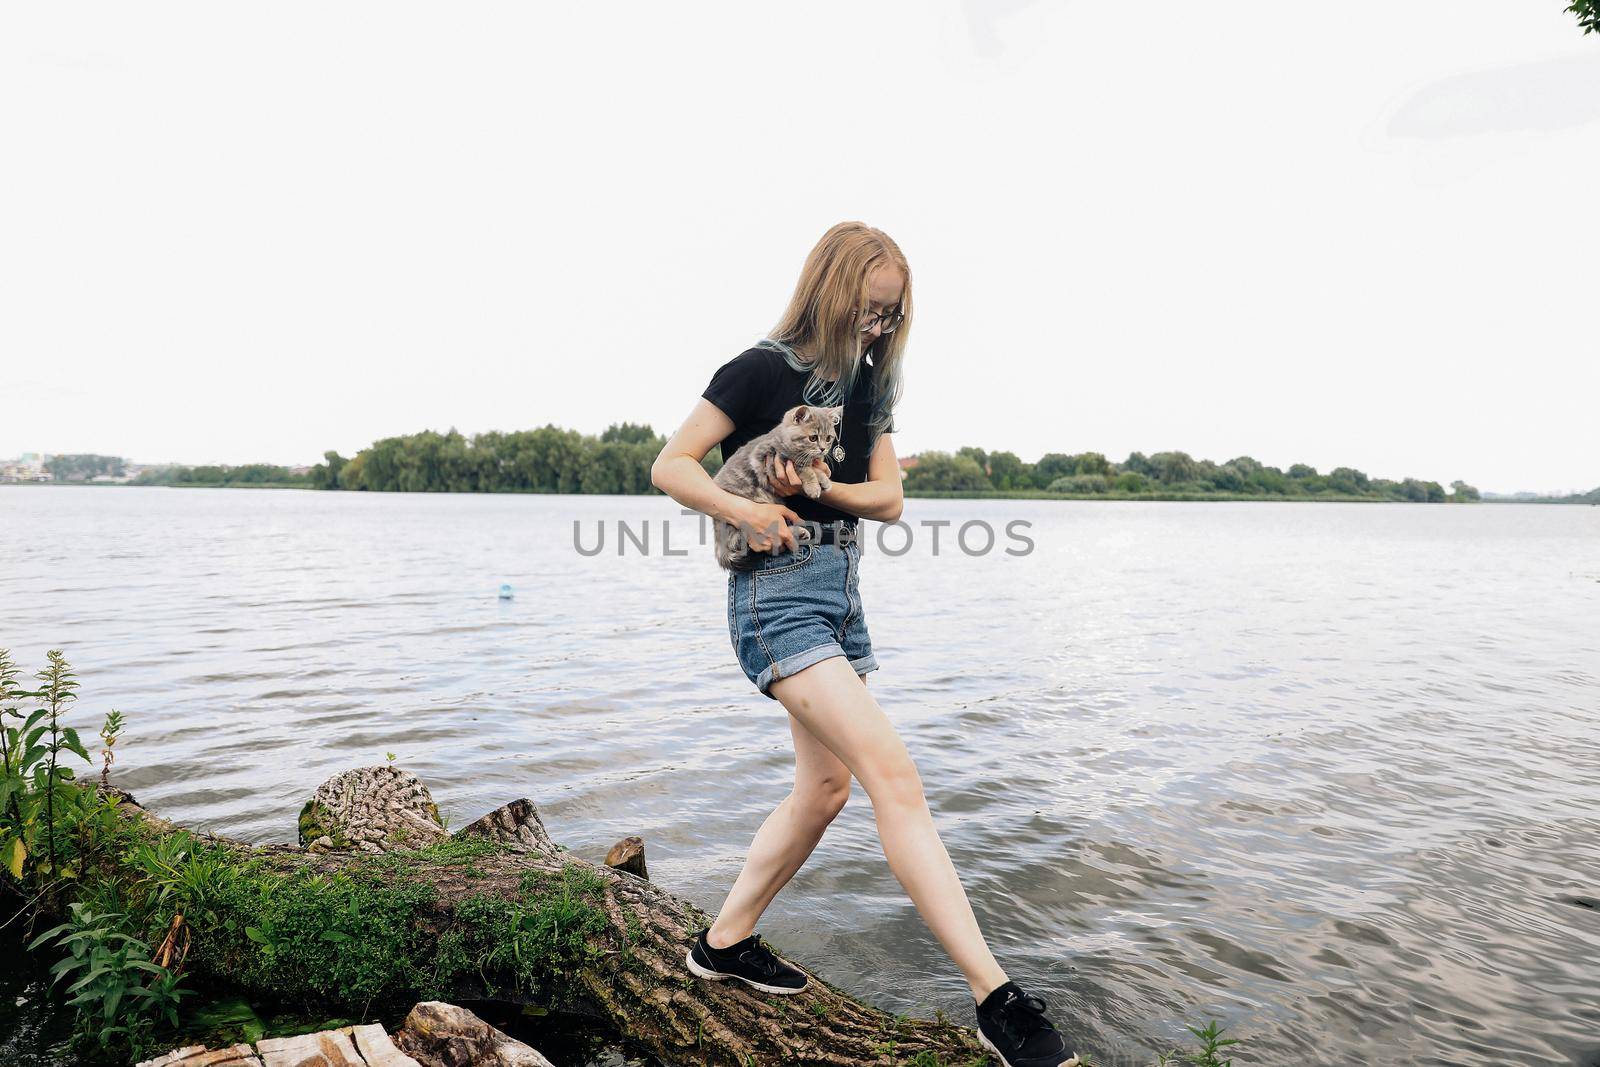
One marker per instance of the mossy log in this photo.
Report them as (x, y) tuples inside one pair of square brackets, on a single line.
[(499, 911)]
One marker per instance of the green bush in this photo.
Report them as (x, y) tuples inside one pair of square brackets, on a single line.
[(1081, 483), (38, 796), (119, 992), (942, 471), (1131, 482), (53, 833)]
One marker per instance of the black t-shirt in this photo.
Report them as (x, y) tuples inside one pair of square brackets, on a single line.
[(757, 386)]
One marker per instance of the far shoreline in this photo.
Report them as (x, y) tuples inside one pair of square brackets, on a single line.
[(925, 494)]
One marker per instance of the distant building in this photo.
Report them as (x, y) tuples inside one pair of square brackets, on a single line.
[(906, 464), (28, 467)]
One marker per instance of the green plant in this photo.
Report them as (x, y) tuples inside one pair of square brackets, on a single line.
[(34, 784), (108, 736), (118, 990), (182, 884), (341, 940), (229, 1020), (58, 691), (1211, 1041), (183, 876), (56, 830), (13, 847), (550, 931)]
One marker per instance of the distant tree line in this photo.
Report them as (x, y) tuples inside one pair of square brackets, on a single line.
[(973, 470), (553, 460), (546, 460), (618, 461), (83, 466), (256, 474), (1591, 497)]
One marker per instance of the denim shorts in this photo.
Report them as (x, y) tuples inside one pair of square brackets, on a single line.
[(798, 608)]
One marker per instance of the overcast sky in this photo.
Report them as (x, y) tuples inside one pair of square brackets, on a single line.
[(1363, 235)]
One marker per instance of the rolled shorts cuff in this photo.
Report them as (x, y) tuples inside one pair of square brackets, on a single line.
[(801, 660), (796, 663)]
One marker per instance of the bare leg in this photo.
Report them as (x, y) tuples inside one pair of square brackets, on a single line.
[(786, 838), (839, 712)]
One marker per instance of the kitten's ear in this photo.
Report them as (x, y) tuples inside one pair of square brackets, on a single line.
[(800, 414)]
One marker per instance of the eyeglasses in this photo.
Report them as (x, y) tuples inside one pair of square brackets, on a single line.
[(889, 319)]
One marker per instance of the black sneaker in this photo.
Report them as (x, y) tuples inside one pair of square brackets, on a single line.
[(749, 960), (1011, 1024)]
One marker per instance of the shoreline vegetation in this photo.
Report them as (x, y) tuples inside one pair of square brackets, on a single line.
[(168, 936), (617, 462)]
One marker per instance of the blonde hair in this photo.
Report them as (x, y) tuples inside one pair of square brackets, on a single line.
[(818, 334)]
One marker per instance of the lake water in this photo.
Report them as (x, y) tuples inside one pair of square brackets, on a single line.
[(1325, 772)]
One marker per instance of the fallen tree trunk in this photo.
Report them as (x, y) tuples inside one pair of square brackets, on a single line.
[(499, 911)]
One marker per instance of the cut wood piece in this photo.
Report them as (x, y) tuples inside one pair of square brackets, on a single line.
[(370, 809), (377, 1049), (443, 1035), (515, 825), (330, 1048), (200, 1056), (628, 855), (177, 1055)]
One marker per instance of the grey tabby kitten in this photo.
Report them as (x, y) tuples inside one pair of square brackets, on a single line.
[(804, 434)]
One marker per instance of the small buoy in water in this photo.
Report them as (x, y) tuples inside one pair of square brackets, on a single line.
[(505, 592)]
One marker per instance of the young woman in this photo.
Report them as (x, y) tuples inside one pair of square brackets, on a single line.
[(799, 630)]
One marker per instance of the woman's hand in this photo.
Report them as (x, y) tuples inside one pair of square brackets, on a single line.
[(767, 527), (786, 480)]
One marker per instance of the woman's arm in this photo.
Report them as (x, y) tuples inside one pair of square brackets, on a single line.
[(678, 473), (880, 496)]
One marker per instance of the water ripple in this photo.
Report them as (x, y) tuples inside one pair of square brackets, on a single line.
[(1323, 772)]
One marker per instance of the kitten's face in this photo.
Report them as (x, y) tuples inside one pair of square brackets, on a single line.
[(811, 432)]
